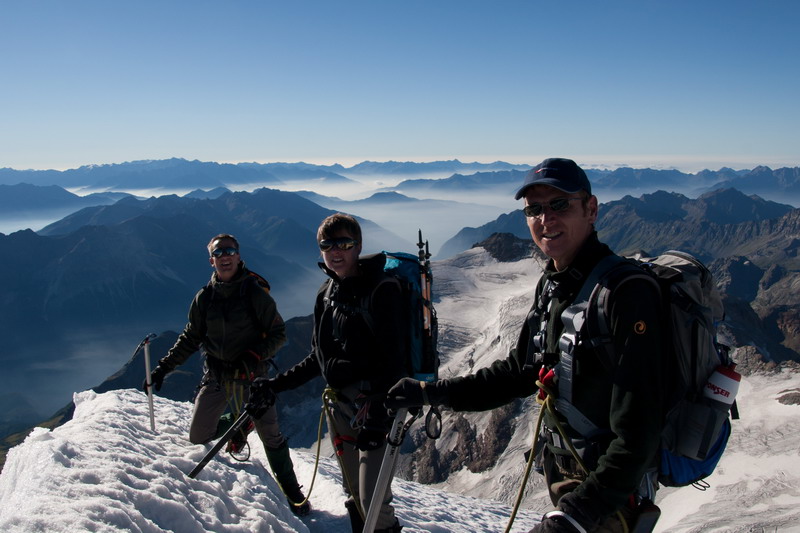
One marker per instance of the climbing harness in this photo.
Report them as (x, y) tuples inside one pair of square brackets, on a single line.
[(547, 404)]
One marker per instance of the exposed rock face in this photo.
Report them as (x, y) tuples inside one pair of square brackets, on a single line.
[(788, 321), (790, 397), (476, 452), (737, 277), (773, 275), (506, 247), (751, 361)]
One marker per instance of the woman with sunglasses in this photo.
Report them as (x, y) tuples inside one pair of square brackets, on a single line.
[(236, 323), (359, 348)]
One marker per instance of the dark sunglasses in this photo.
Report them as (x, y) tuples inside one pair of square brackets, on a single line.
[(219, 252), (343, 243), (555, 205)]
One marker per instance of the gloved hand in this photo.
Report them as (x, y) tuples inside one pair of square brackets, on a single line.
[(261, 397), (156, 378), (370, 439), (574, 514), (409, 392), (554, 524), (377, 417)]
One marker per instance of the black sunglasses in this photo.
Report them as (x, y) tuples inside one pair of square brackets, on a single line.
[(219, 252), (555, 205), (343, 243)]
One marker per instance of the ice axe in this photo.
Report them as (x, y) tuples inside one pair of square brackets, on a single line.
[(255, 408), (146, 344)]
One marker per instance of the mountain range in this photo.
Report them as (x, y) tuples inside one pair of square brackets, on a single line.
[(179, 173)]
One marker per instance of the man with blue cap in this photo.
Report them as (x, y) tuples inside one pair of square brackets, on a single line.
[(603, 419)]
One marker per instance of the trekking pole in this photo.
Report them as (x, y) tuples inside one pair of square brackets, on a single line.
[(395, 438), (146, 343), (425, 282), (239, 424), (433, 420)]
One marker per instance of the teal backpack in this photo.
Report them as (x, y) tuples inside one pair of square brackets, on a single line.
[(415, 280)]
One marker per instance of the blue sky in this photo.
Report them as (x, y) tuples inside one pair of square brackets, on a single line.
[(690, 84)]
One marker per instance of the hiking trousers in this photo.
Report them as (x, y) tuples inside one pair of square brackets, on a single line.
[(210, 404), (360, 469)]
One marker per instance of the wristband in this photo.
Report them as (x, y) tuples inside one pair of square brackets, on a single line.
[(425, 399)]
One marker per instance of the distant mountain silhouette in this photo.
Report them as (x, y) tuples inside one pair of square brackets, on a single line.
[(409, 167), (205, 195), (172, 173), (137, 175), (27, 198), (640, 178), (499, 176), (764, 181), (767, 183), (303, 172), (507, 180)]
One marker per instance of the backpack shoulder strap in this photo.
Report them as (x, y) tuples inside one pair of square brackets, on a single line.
[(258, 279), (600, 336), (204, 298), (586, 324)]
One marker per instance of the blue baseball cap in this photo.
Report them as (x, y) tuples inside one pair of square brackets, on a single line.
[(563, 174)]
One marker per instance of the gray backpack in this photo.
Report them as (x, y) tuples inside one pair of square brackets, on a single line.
[(704, 384)]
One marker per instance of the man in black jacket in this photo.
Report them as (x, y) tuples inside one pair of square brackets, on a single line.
[(236, 323), (611, 411)]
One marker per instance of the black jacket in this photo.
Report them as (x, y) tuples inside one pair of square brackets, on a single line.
[(359, 336), (628, 402)]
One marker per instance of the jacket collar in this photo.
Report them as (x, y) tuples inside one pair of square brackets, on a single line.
[(589, 254), (368, 265)]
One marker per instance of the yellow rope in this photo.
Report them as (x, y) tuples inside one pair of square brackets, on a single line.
[(316, 464), (547, 404), (528, 467)]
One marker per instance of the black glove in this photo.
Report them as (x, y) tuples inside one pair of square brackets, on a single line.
[(410, 392), (156, 378), (554, 524), (571, 508), (261, 398), (370, 439)]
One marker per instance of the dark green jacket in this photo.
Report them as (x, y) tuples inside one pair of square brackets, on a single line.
[(232, 323), (628, 403)]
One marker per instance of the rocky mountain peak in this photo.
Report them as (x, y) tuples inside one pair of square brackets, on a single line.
[(506, 247)]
